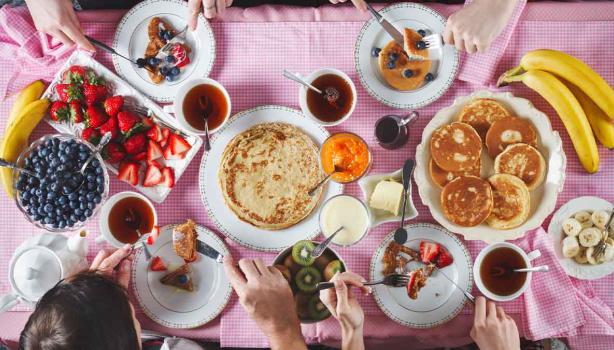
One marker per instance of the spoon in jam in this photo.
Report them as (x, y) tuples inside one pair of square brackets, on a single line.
[(315, 188), (330, 94), (203, 101), (133, 220)]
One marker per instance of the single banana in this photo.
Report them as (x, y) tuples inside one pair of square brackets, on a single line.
[(600, 218), (572, 70), (29, 94), (572, 227), (570, 247), (602, 126), (589, 237), (568, 109)]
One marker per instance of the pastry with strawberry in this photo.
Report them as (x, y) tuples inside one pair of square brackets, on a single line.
[(164, 66)]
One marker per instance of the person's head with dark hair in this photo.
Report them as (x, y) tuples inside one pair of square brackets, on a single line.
[(89, 310)]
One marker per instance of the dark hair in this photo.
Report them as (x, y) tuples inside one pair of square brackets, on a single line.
[(85, 311)]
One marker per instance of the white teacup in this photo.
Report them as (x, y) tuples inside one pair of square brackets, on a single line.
[(302, 95), (527, 261), (105, 231), (177, 107)]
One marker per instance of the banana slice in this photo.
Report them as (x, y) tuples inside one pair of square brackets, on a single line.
[(581, 257), (582, 216), (570, 247), (600, 218), (608, 255), (572, 227), (610, 241), (589, 256), (611, 233), (589, 237)]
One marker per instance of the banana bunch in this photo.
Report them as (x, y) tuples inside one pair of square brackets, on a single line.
[(26, 113), (583, 100)]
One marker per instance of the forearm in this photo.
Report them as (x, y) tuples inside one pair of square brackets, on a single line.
[(352, 339)]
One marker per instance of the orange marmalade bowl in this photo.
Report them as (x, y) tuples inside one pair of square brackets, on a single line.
[(349, 152)]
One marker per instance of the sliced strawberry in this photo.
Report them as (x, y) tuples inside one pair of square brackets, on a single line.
[(95, 117), (169, 177), (412, 281), (168, 154), (114, 153), (127, 120), (68, 92), (129, 172), (74, 74), (178, 144), (113, 105), (153, 235), (91, 135), (110, 126), (429, 251), (166, 133), (154, 133), (154, 151), (135, 144), (444, 259), (148, 123), (153, 176), (157, 264), (94, 93), (76, 111), (181, 55), (59, 111), (139, 156), (155, 163)]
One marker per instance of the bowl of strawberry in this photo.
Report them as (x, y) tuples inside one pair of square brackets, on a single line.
[(55, 195)]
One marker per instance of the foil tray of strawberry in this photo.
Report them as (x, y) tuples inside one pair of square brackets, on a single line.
[(149, 152)]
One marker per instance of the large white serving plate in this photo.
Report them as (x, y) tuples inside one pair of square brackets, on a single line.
[(543, 199), (132, 97), (555, 230), (228, 223), (131, 39), (439, 301), (175, 308), (445, 60)]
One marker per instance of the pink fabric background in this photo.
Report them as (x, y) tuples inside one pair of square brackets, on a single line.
[(250, 55)]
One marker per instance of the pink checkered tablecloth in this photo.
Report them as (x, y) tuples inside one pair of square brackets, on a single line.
[(253, 45)]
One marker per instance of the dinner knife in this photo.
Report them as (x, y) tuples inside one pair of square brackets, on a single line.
[(209, 251), (467, 294), (387, 26)]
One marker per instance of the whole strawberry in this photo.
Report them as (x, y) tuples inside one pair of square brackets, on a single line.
[(135, 144), (76, 112), (110, 126), (127, 120), (114, 153), (94, 93), (74, 75), (113, 105), (68, 92), (95, 117), (91, 135), (59, 111)]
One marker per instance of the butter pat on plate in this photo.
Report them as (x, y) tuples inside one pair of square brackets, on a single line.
[(388, 196)]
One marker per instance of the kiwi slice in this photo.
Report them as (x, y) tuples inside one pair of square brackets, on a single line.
[(285, 271), (301, 253), (301, 301), (307, 279), (332, 268), (317, 310)]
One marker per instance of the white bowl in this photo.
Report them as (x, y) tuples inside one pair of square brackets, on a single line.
[(367, 185), (543, 199)]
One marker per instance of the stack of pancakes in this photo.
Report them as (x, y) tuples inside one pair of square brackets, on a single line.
[(503, 200)]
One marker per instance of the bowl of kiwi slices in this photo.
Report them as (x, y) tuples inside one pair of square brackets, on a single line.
[(303, 272)]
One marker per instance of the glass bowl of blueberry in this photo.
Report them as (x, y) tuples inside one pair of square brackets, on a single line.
[(59, 197)]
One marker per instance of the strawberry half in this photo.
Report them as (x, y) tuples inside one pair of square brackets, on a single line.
[(154, 133), (135, 144), (76, 112), (178, 144), (444, 259), (169, 177), (59, 111), (411, 283), (68, 92), (139, 156), (114, 153), (129, 172), (168, 154), (113, 105), (95, 117), (153, 235), (155, 163), (110, 126), (91, 135), (154, 151), (127, 120), (94, 93), (148, 123), (153, 176), (157, 264), (429, 251), (74, 75)]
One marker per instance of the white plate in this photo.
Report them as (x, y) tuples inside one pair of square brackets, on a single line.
[(131, 40), (228, 223), (543, 199), (117, 86), (571, 267), (170, 306), (439, 301), (367, 185), (445, 60)]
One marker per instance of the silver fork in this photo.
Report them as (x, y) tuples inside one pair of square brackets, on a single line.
[(433, 41), (601, 246), (393, 280), (169, 44), (149, 113)]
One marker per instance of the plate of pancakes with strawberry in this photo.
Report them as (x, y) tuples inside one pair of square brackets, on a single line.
[(490, 167)]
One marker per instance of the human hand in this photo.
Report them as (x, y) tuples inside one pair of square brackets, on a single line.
[(477, 25), (266, 296), (120, 260), (360, 4), (58, 19), (492, 328), (211, 9)]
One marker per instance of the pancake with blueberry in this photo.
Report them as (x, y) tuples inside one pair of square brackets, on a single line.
[(398, 70)]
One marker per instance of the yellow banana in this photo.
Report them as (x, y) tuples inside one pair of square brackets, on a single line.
[(568, 109), (16, 138), (573, 70), (29, 94), (602, 126)]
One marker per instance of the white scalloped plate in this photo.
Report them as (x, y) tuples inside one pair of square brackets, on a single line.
[(445, 60), (543, 199), (571, 267)]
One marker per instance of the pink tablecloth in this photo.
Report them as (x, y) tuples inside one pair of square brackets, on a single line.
[(251, 53)]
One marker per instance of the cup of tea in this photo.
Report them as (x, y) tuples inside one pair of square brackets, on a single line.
[(391, 130), (125, 217), (494, 274), (337, 101), (197, 98)]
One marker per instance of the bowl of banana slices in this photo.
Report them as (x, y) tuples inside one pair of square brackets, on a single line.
[(577, 229)]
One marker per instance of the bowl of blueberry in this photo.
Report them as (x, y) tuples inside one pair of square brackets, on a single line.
[(55, 195)]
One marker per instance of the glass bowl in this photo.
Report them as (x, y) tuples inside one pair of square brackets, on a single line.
[(367, 212), (24, 207), (352, 135)]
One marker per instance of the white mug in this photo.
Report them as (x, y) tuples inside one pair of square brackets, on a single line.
[(177, 107), (105, 231), (302, 95), (527, 261)]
